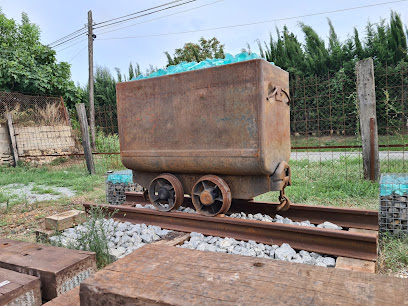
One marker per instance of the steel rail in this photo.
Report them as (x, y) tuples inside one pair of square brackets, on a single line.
[(324, 241), (345, 217)]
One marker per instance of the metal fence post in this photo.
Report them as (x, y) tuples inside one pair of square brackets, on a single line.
[(83, 122), (368, 118)]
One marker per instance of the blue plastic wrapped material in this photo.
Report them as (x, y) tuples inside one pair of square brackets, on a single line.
[(207, 63), (394, 184), (121, 177)]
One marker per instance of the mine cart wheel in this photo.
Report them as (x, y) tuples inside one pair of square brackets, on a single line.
[(166, 192), (211, 195)]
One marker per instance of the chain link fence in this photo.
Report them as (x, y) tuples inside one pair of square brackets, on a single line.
[(41, 125)]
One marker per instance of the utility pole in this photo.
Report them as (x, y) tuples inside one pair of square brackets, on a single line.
[(91, 80)]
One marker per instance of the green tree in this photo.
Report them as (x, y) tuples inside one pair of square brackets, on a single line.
[(317, 55), (397, 39), (28, 66), (211, 48)]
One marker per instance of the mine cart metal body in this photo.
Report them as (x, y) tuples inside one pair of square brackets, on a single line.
[(228, 122)]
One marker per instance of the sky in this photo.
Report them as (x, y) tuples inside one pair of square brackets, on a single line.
[(57, 19)]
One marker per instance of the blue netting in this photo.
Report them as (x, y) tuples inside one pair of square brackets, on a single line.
[(121, 177), (209, 62), (394, 184)]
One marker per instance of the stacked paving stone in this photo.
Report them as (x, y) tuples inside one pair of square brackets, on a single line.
[(284, 252), (394, 214)]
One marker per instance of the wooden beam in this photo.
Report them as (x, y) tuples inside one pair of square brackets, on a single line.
[(12, 135), (368, 118), (168, 275), (86, 143)]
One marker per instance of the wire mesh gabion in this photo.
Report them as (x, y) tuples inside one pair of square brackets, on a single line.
[(393, 216), (117, 183)]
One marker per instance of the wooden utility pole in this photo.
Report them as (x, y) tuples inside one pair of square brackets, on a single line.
[(12, 135), (83, 123), (368, 118), (91, 80)]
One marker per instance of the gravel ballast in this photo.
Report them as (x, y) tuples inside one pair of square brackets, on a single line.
[(284, 252), (123, 237), (259, 217)]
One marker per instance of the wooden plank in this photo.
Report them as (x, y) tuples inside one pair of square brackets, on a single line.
[(367, 112), (70, 298), (19, 289), (59, 269), (362, 230), (65, 220), (174, 238), (355, 264), (12, 135), (171, 275), (83, 122)]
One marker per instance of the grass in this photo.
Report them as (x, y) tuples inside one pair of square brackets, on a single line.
[(331, 183), (44, 190), (326, 141), (73, 177), (95, 236), (393, 255)]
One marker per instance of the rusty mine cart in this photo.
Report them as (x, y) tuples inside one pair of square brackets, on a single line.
[(215, 134)]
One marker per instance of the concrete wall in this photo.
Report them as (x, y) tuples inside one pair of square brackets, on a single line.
[(34, 142)]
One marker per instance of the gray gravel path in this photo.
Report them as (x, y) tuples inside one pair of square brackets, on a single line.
[(324, 156)]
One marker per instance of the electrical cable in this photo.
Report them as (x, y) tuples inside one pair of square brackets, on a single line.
[(68, 40), (139, 12), (111, 24), (191, 9), (72, 45), (54, 42), (77, 53), (253, 23), (163, 9)]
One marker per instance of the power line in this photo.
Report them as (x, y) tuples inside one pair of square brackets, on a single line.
[(253, 23), (54, 42), (72, 45), (77, 53), (111, 24), (163, 9), (131, 25), (139, 12), (69, 39)]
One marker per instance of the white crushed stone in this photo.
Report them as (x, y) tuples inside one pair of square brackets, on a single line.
[(123, 237), (258, 217), (20, 192), (284, 252)]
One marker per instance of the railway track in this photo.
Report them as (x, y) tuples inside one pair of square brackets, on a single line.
[(344, 217), (324, 241)]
